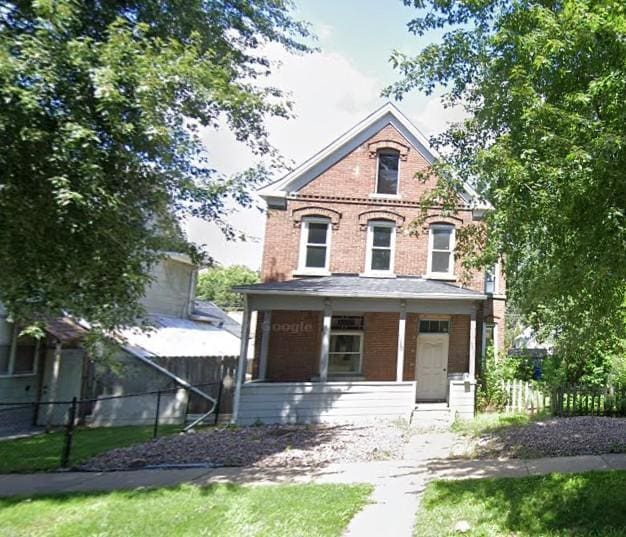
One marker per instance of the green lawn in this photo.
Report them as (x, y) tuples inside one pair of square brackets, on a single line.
[(218, 510), (489, 422), (43, 452), (556, 505)]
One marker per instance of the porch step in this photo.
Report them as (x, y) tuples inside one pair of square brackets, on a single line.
[(431, 415)]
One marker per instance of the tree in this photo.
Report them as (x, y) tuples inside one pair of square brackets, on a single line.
[(544, 86), (215, 284), (102, 106)]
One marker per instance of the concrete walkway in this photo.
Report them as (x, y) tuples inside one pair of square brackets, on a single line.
[(397, 484)]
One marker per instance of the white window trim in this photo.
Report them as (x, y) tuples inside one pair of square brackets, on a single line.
[(348, 333), (304, 236), (495, 338), (12, 355), (441, 275), (377, 194), (370, 245), (496, 279)]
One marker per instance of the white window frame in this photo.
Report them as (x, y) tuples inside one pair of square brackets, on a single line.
[(369, 246), (347, 333), (304, 237), (496, 279), (495, 338), (13, 354), (380, 194), (441, 275)]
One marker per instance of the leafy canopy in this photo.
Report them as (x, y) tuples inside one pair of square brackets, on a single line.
[(102, 103), (544, 86), (215, 284)]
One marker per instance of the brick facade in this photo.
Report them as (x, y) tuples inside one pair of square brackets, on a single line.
[(345, 195), (295, 342)]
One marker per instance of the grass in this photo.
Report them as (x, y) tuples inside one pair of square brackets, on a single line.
[(490, 422), (556, 505), (43, 452), (217, 510)]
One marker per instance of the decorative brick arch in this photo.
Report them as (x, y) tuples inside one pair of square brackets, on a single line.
[(440, 219), (366, 216), (303, 212), (375, 147)]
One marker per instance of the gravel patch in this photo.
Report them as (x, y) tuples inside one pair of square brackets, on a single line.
[(556, 437), (262, 446)]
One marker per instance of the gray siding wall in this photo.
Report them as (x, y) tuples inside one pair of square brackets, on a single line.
[(169, 292), (332, 402)]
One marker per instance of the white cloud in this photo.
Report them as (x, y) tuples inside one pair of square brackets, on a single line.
[(330, 95)]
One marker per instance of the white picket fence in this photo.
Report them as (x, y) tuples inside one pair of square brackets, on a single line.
[(523, 397)]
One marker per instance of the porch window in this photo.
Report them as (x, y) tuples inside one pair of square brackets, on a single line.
[(344, 356), (387, 172), (380, 247), (441, 251), (315, 246), (19, 357)]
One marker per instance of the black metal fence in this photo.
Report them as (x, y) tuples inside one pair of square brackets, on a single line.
[(171, 407)]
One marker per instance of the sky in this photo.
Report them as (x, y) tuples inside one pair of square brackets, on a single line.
[(332, 90)]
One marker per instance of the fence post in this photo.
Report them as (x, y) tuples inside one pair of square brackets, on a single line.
[(156, 417), (219, 400), (69, 432)]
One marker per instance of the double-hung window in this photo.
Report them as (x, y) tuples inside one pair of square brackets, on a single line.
[(490, 280), (441, 251), (387, 173), (315, 246), (381, 239), (19, 356), (346, 346)]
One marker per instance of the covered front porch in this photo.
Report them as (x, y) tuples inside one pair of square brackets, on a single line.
[(348, 349)]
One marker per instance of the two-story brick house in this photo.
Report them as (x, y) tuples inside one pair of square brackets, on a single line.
[(357, 318)]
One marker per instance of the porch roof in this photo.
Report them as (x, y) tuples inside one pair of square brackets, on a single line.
[(363, 287)]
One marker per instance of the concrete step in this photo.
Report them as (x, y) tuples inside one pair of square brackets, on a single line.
[(431, 414)]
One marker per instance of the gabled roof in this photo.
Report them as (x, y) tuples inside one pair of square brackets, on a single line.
[(356, 286), (387, 114)]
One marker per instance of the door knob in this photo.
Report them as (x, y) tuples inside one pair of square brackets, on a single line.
[(444, 369)]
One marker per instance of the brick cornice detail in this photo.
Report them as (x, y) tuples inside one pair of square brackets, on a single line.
[(366, 216), (375, 147), (302, 212)]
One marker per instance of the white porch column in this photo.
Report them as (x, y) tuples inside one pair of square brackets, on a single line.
[(328, 315), (243, 358), (265, 344), (472, 346), (401, 337)]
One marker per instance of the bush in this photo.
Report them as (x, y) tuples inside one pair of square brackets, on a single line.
[(489, 393)]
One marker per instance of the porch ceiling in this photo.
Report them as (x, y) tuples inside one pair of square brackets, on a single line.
[(362, 287)]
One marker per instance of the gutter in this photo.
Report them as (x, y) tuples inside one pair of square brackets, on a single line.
[(339, 294)]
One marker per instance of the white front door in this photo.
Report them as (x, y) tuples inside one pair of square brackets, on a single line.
[(431, 367)]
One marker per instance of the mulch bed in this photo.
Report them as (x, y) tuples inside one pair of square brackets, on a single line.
[(262, 446), (556, 437)]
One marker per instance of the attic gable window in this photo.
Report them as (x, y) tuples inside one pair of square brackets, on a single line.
[(387, 172), (315, 246)]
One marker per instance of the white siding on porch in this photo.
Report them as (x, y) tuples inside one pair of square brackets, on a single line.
[(331, 402), (461, 398)]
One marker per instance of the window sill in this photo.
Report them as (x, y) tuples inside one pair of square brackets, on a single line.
[(443, 277), (377, 275), (309, 272), (16, 375), (355, 377), (385, 196)]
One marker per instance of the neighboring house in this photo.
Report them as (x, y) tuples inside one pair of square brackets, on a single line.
[(191, 343), (357, 319)]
